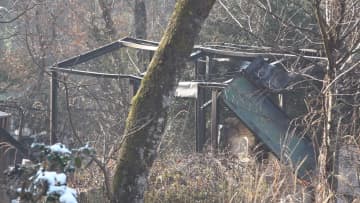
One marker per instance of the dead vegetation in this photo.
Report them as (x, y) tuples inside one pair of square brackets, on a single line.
[(209, 178)]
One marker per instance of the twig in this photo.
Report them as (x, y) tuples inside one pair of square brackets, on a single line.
[(99, 163), (238, 22), (19, 15), (133, 63), (340, 75)]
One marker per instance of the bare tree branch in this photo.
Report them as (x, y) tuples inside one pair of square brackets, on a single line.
[(28, 8)]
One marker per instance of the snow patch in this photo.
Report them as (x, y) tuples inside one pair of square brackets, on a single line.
[(57, 185), (51, 177), (69, 196), (59, 148)]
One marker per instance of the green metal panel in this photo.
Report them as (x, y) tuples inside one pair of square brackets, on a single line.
[(270, 124)]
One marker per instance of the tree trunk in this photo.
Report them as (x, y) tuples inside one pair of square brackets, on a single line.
[(109, 23), (326, 158), (147, 118)]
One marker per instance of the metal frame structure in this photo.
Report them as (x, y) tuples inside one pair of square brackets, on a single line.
[(201, 55), (66, 66)]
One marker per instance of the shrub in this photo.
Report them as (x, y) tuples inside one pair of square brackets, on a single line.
[(45, 178)]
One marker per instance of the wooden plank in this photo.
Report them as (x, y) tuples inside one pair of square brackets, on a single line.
[(269, 124), (214, 120)]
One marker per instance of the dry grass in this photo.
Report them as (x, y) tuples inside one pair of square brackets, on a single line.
[(209, 178)]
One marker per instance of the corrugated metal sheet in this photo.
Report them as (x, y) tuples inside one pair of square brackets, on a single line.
[(270, 124)]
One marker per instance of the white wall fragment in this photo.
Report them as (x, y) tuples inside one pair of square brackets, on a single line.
[(187, 90)]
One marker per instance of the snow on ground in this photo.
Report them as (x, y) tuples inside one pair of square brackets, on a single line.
[(57, 185), (69, 196)]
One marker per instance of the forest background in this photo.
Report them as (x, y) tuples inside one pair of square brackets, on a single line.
[(36, 34)]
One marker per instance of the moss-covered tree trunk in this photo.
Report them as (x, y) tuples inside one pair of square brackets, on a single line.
[(147, 118)]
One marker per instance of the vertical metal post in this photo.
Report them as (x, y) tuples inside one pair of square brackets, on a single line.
[(214, 120), (53, 106), (207, 68), (200, 69), (196, 66), (200, 120)]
